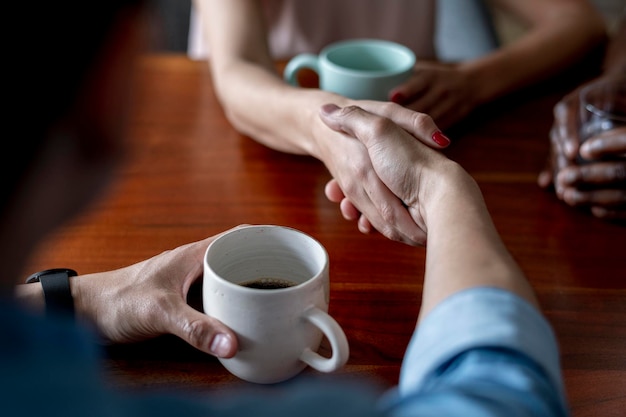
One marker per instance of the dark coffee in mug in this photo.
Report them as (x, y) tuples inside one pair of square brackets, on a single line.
[(268, 283)]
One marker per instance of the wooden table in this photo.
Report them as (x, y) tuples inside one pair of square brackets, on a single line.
[(191, 175)]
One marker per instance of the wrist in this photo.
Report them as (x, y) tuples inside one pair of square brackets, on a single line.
[(451, 192), (31, 296), (322, 143), (49, 290)]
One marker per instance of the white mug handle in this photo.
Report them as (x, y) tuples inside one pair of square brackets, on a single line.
[(336, 337)]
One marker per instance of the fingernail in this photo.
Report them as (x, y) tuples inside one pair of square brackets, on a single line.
[(398, 98), (570, 149), (220, 346), (329, 108), (589, 147), (440, 139)]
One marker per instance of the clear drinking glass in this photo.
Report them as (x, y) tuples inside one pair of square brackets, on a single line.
[(602, 107)]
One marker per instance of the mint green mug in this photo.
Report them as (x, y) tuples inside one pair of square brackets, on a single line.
[(361, 69)]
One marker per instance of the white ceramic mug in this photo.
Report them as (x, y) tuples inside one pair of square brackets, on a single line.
[(280, 329), (357, 68)]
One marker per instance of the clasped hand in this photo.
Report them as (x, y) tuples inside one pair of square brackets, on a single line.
[(396, 173), (592, 174)]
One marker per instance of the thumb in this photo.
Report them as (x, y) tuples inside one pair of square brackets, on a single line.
[(204, 333), (419, 125)]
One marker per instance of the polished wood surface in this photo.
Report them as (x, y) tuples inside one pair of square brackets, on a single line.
[(191, 175)]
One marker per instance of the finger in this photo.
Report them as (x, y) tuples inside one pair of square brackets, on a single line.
[(567, 126), (405, 92), (437, 102), (426, 102), (352, 118), (609, 143), (420, 125), (365, 226), (600, 173), (376, 201), (333, 191), (604, 197), (348, 210), (335, 194), (203, 332), (608, 213), (395, 223), (200, 246), (383, 211), (544, 179)]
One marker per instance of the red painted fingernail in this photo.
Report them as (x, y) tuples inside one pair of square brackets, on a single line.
[(398, 98), (440, 139)]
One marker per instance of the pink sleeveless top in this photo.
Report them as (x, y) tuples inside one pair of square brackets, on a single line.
[(297, 26)]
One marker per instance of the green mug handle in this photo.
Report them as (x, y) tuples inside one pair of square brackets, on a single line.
[(297, 63)]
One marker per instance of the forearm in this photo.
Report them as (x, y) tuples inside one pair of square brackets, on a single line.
[(32, 295), (464, 249), (280, 116), (255, 98), (558, 39)]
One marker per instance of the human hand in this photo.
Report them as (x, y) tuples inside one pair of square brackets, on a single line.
[(398, 163), (601, 184), (564, 139), (442, 91), (356, 186), (589, 175), (148, 299)]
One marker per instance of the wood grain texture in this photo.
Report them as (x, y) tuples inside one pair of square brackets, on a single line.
[(190, 175)]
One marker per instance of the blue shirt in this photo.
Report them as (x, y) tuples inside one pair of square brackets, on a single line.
[(481, 352)]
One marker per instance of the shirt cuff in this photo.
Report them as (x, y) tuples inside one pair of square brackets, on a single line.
[(478, 318)]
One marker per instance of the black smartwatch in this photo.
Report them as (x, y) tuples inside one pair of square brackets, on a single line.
[(56, 289)]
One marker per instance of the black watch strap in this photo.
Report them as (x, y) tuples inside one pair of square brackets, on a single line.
[(56, 289)]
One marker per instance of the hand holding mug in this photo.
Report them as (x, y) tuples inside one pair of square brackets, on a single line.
[(149, 299), (270, 285)]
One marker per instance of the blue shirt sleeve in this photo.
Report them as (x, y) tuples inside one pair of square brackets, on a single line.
[(481, 352)]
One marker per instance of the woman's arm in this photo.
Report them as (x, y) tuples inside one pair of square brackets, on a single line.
[(481, 346), (560, 33), (253, 94), (283, 117)]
